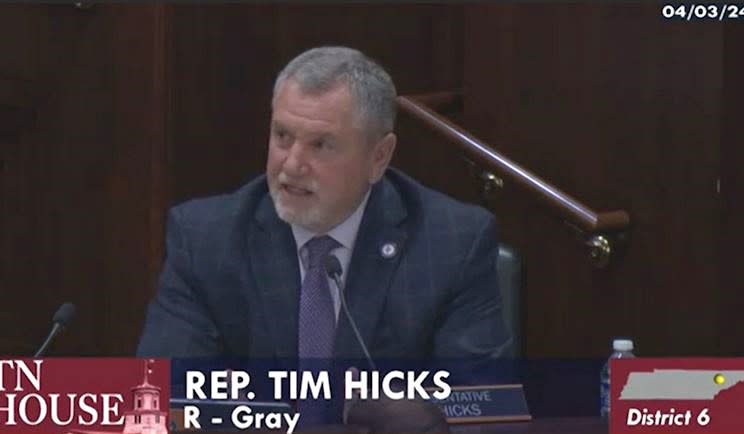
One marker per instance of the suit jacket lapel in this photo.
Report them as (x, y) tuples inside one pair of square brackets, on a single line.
[(272, 255), (370, 272)]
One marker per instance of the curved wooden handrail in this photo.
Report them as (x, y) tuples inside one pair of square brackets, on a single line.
[(438, 101), (566, 206)]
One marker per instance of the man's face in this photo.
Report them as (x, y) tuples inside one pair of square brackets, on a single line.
[(320, 162)]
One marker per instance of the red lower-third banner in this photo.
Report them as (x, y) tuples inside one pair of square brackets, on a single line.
[(671, 396), (61, 396)]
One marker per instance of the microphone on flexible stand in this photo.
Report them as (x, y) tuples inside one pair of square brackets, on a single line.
[(61, 319), (333, 269), (384, 416)]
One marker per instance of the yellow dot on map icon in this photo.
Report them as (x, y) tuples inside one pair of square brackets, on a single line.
[(719, 379)]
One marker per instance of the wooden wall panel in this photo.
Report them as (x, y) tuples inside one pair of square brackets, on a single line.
[(141, 106), (226, 58), (731, 234), (81, 202), (623, 110), (137, 107), (619, 118)]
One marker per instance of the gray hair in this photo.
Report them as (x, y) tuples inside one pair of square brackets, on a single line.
[(319, 70)]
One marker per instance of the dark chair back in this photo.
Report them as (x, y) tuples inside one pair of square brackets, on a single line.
[(509, 266)]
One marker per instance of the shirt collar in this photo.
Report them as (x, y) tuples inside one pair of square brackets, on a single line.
[(345, 232)]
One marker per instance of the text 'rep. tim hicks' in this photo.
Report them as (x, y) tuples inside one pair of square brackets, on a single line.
[(292, 385)]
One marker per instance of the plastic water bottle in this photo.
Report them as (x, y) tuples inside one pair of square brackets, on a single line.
[(621, 349)]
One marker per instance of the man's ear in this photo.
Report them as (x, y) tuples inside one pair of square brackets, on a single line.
[(382, 153)]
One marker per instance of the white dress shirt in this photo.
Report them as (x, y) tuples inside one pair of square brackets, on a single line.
[(345, 233)]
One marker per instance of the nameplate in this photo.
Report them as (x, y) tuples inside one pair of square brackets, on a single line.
[(480, 404)]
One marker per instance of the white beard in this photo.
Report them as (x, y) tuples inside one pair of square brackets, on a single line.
[(308, 218)]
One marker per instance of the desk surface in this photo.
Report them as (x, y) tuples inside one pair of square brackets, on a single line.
[(578, 425)]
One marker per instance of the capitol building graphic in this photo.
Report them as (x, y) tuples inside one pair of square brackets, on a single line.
[(146, 416)]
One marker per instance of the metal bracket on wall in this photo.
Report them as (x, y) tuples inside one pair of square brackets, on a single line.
[(83, 5), (606, 247), (600, 250), (491, 184)]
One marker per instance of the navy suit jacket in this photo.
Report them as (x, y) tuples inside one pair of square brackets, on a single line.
[(230, 281)]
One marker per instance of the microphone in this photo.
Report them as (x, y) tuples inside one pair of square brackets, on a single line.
[(61, 319), (384, 416), (333, 270)]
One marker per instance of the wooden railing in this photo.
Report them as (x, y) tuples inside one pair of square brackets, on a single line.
[(598, 226)]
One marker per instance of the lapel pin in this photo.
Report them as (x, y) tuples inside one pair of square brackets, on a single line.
[(388, 250)]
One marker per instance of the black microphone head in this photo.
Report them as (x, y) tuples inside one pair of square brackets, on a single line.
[(64, 314), (332, 266)]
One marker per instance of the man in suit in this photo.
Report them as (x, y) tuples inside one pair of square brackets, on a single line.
[(243, 275)]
